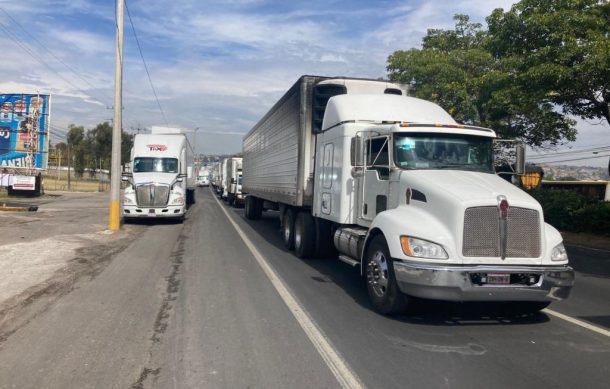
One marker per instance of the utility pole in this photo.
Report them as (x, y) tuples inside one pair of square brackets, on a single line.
[(114, 220)]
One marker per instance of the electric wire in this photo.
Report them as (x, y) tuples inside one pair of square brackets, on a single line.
[(145, 65), (571, 152)]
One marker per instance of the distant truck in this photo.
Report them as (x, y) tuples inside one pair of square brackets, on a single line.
[(24, 141), (223, 190), (216, 177), (400, 190), (233, 181), (203, 178), (162, 177)]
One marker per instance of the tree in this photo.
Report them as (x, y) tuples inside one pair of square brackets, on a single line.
[(561, 51), (455, 69), (77, 148), (126, 145)]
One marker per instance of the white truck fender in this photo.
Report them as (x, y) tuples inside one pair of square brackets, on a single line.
[(410, 221)]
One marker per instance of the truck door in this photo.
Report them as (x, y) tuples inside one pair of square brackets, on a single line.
[(375, 185)]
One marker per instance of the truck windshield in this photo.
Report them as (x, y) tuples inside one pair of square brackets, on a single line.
[(155, 165), (443, 151)]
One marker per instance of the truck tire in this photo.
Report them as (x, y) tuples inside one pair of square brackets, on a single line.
[(304, 235), (251, 206), (288, 219), (381, 283)]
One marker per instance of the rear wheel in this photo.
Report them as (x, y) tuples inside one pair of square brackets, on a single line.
[(304, 235), (381, 280), (288, 220), (253, 209)]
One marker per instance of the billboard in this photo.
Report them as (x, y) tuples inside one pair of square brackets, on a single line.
[(24, 130)]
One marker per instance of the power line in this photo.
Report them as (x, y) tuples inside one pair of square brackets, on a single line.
[(578, 159), (571, 152), (145, 66), (41, 60), (43, 46), (16, 40)]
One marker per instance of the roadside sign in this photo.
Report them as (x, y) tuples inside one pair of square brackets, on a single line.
[(24, 130)]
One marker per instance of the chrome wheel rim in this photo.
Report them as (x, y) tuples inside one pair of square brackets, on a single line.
[(377, 274)]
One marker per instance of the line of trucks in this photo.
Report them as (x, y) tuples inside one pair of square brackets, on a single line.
[(227, 180), (393, 186)]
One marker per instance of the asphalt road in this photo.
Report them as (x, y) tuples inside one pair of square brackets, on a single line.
[(189, 306)]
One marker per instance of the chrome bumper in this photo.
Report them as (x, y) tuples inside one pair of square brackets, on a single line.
[(170, 211), (454, 282)]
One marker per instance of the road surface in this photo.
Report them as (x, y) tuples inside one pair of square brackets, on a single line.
[(201, 305)]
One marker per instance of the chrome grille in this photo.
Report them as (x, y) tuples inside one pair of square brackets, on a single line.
[(152, 195), (482, 233)]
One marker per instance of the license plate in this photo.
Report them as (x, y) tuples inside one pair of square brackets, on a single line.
[(151, 212), (498, 278)]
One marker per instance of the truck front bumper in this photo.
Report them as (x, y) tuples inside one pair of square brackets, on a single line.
[(171, 211), (463, 283)]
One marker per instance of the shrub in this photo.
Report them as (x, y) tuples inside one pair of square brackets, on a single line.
[(569, 211)]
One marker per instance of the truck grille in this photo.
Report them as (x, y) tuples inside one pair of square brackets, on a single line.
[(482, 233), (152, 195)]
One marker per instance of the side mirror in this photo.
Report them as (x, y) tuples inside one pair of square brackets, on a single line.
[(182, 176), (355, 154), (179, 179), (520, 161)]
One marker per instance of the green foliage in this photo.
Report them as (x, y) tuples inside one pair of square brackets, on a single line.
[(570, 211), (93, 148), (559, 49), (456, 70)]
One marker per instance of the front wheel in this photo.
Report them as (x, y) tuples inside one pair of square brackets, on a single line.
[(381, 280)]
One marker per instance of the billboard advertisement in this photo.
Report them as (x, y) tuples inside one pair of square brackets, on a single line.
[(24, 130)]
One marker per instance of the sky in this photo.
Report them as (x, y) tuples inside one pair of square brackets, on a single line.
[(217, 66)]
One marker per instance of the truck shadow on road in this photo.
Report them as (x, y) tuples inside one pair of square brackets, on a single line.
[(422, 312)]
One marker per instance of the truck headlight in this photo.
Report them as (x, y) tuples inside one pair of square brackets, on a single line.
[(128, 200), (420, 248), (177, 201), (559, 253)]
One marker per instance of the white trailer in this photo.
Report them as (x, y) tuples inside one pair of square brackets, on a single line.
[(233, 181), (162, 178), (400, 190)]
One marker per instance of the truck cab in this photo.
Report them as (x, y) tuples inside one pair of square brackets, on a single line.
[(418, 207), (162, 179)]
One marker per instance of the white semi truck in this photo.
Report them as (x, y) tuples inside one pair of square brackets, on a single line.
[(400, 190), (233, 181), (162, 178)]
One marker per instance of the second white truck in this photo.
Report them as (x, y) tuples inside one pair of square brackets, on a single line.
[(398, 189), (162, 177)]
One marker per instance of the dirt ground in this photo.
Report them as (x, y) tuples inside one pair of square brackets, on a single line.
[(43, 253)]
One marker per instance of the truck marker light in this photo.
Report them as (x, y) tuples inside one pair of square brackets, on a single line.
[(406, 248)]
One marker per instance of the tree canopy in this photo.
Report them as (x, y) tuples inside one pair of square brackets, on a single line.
[(536, 64), (561, 49)]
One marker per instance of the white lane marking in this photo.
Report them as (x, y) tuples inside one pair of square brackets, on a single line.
[(577, 322), (338, 366)]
